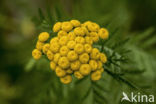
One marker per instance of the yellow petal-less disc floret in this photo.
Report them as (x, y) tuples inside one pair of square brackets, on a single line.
[(87, 23), (95, 54), (78, 75), (54, 40), (46, 48), (63, 62), (93, 27), (85, 30), (88, 48), (79, 48), (101, 70), (96, 75), (103, 58), (69, 71), (88, 40), (39, 45), (71, 36), (103, 33), (71, 44), (75, 23), (85, 69), (94, 36), (56, 57), (36, 54), (99, 64), (79, 31), (52, 65), (75, 65), (84, 58), (67, 26), (80, 40), (57, 27), (64, 50), (93, 64), (66, 79), (50, 55), (60, 72), (54, 47), (43, 36), (62, 33), (63, 40), (72, 56)]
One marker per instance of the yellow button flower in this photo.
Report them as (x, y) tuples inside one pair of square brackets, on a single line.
[(93, 27), (88, 40), (79, 31), (50, 55), (93, 64), (52, 65), (60, 72), (67, 26), (103, 58), (39, 45), (72, 55), (80, 40), (64, 50), (62, 33), (54, 40), (95, 54), (63, 62), (36, 54), (75, 65), (87, 23), (99, 64), (79, 48), (94, 36), (66, 79), (63, 40), (75, 23), (71, 44), (103, 33), (43, 36), (46, 48), (57, 57), (96, 75), (88, 48), (71, 36), (85, 69), (54, 47), (69, 71), (101, 70), (57, 27), (78, 75), (84, 58), (85, 30)]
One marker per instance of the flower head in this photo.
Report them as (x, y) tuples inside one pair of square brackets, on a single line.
[(43, 36), (67, 26), (36, 54), (72, 51), (57, 27), (96, 75), (66, 79), (85, 69), (63, 62), (75, 23)]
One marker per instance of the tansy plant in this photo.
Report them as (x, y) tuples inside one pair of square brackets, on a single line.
[(71, 51)]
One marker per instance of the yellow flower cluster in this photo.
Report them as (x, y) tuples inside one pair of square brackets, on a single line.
[(71, 51)]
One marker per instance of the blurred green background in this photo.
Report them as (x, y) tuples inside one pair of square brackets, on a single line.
[(23, 81)]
